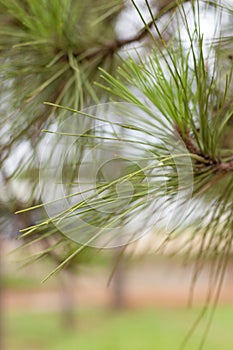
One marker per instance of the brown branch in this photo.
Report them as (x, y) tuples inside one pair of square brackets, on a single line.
[(217, 165), (163, 10), (117, 44), (225, 167)]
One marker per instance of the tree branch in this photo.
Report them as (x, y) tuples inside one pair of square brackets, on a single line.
[(218, 166), (111, 47)]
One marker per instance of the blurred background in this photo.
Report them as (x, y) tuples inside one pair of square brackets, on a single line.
[(144, 306), (114, 299)]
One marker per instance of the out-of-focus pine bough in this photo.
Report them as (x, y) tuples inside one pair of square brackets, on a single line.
[(51, 51), (177, 107)]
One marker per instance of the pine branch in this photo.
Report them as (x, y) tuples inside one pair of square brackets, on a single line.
[(218, 166), (110, 48)]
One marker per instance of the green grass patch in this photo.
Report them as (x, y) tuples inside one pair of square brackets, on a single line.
[(101, 329)]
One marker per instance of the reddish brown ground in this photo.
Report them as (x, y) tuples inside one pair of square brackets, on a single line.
[(148, 284)]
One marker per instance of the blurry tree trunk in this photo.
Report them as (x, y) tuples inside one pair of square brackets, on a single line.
[(67, 302), (118, 280)]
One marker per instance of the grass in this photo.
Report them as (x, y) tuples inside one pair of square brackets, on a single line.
[(101, 329)]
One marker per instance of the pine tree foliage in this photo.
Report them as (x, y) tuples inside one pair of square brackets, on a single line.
[(168, 128), (182, 95), (50, 51)]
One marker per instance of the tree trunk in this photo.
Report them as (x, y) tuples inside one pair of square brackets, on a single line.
[(118, 281), (67, 302)]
